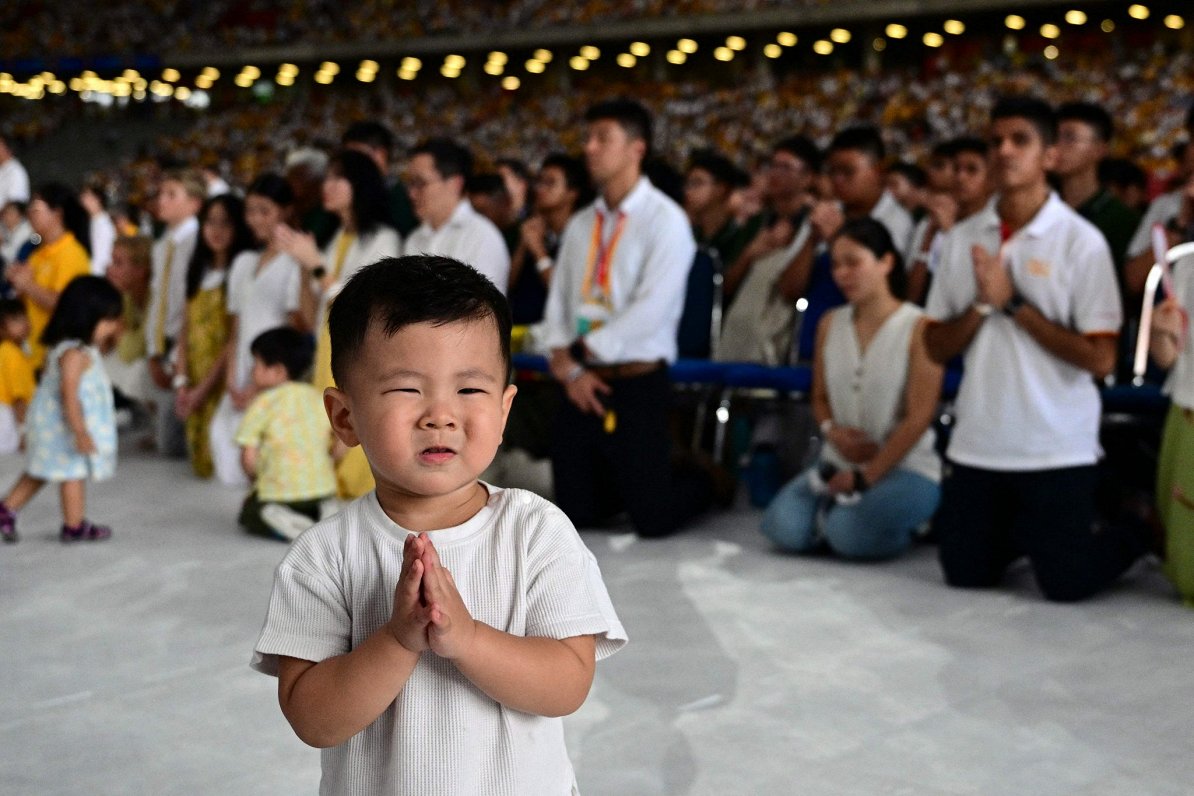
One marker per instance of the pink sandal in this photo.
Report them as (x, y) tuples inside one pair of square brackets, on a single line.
[(85, 532)]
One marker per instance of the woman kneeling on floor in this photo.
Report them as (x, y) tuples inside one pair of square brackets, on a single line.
[(875, 394)]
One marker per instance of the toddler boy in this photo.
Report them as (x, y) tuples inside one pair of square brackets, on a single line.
[(431, 635), (285, 440), (16, 373)]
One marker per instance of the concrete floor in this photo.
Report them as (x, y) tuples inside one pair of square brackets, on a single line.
[(125, 667)]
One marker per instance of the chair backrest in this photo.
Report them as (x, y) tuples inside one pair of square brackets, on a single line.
[(700, 324)]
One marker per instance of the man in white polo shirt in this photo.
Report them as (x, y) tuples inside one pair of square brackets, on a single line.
[(610, 324), (1026, 292), (14, 180), (435, 178)]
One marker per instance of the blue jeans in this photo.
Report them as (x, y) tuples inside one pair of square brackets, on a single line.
[(881, 525)]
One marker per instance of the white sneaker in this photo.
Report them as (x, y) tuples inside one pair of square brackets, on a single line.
[(284, 521)]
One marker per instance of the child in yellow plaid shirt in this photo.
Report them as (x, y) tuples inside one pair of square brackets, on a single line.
[(285, 441)]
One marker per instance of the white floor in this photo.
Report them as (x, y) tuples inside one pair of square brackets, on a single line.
[(124, 667)]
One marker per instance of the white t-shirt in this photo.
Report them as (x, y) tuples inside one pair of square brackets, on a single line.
[(260, 301), (891, 214), (103, 237), (468, 237), (519, 565), (1019, 407), (648, 248), (364, 250)]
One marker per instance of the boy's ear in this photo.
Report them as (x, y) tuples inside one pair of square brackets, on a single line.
[(507, 402), (339, 412)]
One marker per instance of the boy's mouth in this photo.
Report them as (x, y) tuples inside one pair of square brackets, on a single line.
[(437, 454)]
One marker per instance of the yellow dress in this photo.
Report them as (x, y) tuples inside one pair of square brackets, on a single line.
[(207, 333), (353, 476)]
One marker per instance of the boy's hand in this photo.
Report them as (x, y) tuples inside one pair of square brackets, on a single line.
[(410, 617), (452, 629)]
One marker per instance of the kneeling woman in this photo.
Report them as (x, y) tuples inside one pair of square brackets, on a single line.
[(875, 393)]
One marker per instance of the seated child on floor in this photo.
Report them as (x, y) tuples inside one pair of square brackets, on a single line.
[(285, 440)]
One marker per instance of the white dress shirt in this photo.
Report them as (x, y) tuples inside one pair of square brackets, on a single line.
[(648, 279), (898, 221), (468, 237), (103, 237), (14, 182), (184, 237)]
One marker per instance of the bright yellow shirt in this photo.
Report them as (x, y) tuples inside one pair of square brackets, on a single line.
[(16, 374), (54, 265)]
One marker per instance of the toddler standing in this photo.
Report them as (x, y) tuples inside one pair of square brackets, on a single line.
[(71, 426), (16, 373)]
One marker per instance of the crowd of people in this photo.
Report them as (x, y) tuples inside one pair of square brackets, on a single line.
[(1018, 247)]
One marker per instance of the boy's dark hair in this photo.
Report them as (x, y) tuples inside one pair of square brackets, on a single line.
[(83, 303), (802, 148), (1094, 116), (944, 149), (286, 346), (11, 308), (576, 176), (719, 167), (400, 291), (1038, 113), (972, 145), (875, 237), (515, 165), (451, 159), (630, 115), (374, 135), (1123, 173), (487, 184), (370, 198), (865, 139), (913, 173)]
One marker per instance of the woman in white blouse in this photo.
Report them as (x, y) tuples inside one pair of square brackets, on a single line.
[(875, 393), (355, 191)]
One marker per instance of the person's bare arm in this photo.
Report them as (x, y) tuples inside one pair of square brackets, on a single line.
[(72, 364), (921, 394), (329, 702), (945, 340), (248, 461), (1094, 353)]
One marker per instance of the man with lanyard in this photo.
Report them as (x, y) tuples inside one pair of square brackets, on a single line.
[(610, 324), (1026, 292)]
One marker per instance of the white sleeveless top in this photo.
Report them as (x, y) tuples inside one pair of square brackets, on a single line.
[(866, 390)]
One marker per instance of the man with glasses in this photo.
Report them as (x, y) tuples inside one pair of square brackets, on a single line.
[(435, 178)]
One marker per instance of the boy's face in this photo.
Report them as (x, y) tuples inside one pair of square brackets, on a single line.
[(1019, 155), (175, 204), (1078, 147), (971, 184), (266, 376), (428, 405)]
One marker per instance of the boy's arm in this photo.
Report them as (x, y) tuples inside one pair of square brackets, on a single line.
[(248, 461), (544, 676), (329, 702)]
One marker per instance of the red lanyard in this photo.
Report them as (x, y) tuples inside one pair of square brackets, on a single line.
[(601, 256)]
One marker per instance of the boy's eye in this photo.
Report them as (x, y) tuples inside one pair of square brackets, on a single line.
[(471, 390)]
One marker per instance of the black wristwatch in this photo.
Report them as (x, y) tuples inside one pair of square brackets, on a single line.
[(577, 350), (860, 483), (1013, 305)]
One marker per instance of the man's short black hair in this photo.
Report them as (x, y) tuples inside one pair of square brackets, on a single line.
[(515, 165), (630, 115), (719, 167), (865, 139), (971, 144), (374, 135), (576, 176), (944, 149), (451, 159), (1036, 112), (401, 291), (1122, 173), (487, 184), (11, 308), (913, 173), (285, 346), (802, 148), (1094, 116)]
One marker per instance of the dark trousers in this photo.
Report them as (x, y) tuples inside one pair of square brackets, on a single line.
[(988, 519), (598, 472)]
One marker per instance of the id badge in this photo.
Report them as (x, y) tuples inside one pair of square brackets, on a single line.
[(590, 317)]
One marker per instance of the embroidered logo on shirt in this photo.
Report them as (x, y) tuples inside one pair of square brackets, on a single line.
[(1038, 268)]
